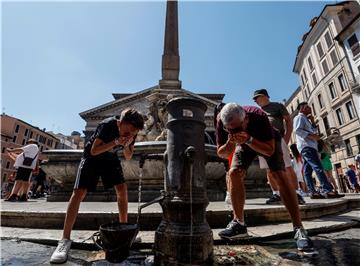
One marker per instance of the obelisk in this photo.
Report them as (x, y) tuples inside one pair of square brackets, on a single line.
[(170, 58)]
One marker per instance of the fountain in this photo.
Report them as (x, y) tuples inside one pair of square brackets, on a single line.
[(184, 236), (62, 167), (62, 164)]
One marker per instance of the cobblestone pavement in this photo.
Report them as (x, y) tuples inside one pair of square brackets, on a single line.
[(340, 248)]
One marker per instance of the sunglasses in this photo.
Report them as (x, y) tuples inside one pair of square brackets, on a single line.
[(233, 130)]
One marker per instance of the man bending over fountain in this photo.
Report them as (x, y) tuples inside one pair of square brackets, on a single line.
[(100, 159), (250, 134)]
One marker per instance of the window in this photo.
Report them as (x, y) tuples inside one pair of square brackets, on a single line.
[(313, 108), (302, 80), (320, 101), (328, 39), (320, 49), (26, 132), (350, 110), (31, 134), (314, 79), (306, 93), (332, 90), (349, 151), (304, 73), (326, 123), (7, 165), (341, 82), (358, 141), (23, 142), (325, 66), (340, 116), (292, 109), (332, 147), (17, 128), (334, 58), (3, 150), (311, 66), (354, 45), (14, 139)]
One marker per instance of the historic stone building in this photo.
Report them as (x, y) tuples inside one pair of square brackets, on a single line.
[(14, 134), (152, 101), (328, 81)]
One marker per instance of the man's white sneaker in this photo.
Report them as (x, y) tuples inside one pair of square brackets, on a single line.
[(60, 254)]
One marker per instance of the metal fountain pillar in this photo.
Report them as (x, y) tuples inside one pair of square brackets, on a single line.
[(184, 236)]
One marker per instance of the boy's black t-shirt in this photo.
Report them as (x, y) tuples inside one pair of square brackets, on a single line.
[(107, 131)]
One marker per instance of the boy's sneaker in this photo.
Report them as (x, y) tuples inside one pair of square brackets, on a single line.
[(12, 198), (60, 254), (234, 230), (303, 242), (301, 200), (274, 199)]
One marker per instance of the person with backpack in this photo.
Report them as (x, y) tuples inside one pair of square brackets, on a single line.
[(25, 163)]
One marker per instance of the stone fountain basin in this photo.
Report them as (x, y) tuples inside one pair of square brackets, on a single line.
[(62, 166)]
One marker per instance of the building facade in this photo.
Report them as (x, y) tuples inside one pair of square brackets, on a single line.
[(14, 134), (328, 83), (72, 142)]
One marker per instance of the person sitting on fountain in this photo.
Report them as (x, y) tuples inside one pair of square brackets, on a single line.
[(100, 159), (250, 134)]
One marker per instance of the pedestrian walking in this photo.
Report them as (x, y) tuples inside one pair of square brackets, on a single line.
[(250, 134), (100, 159), (280, 119), (298, 165), (352, 178), (25, 163), (40, 179), (306, 140), (325, 157)]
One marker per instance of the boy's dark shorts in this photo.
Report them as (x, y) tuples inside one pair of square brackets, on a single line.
[(244, 156), (23, 174), (90, 169)]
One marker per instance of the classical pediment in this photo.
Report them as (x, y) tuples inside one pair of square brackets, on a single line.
[(151, 103), (142, 100)]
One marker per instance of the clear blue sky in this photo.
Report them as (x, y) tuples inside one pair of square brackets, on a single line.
[(59, 59)]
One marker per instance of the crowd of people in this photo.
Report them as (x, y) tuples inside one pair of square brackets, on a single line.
[(243, 133), (246, 132)]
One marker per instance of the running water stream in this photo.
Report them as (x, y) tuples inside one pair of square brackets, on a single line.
[(191, 212), (139, 192)]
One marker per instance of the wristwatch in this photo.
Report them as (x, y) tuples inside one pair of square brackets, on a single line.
[(249, 141)]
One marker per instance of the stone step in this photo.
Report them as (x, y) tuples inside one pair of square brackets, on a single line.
[(82, 238), (50, 215)]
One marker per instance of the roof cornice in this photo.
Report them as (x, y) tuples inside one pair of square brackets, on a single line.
[(327, 11)]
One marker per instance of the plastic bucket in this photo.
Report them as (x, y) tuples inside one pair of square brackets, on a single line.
[(116, 239)]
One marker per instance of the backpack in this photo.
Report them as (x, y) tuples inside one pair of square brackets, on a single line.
[(28, 160)]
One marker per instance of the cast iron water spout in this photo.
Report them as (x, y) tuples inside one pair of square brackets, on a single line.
[(184, 236)]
